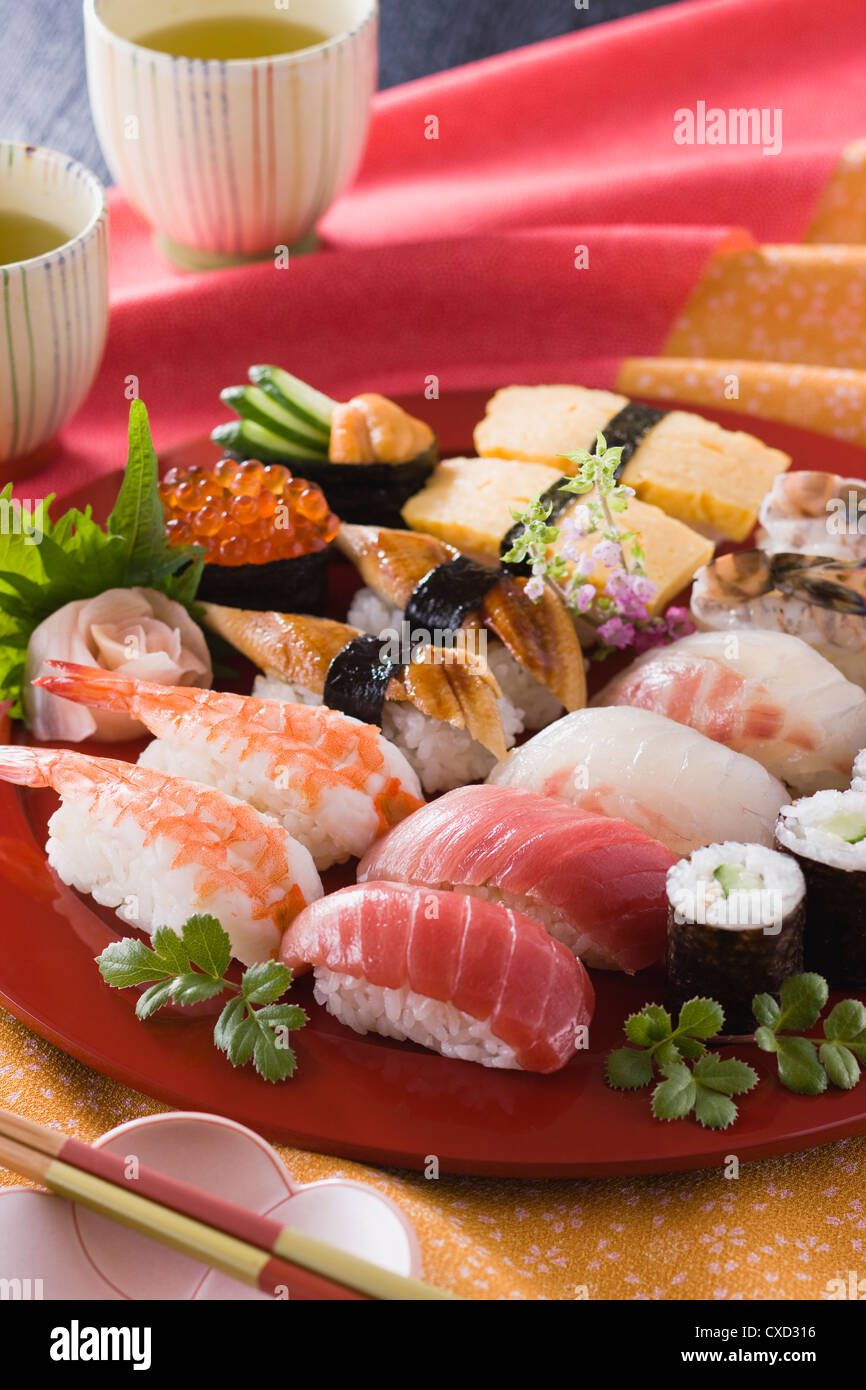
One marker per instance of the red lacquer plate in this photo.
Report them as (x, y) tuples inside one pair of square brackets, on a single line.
[(366, 1097)]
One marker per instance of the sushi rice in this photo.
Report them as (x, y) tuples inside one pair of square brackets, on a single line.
[(801, 829), (406, 1015), (441, 756), (342, 823), (696, 895)]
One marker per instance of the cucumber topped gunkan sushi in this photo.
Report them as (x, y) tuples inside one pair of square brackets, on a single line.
[(367, 454)]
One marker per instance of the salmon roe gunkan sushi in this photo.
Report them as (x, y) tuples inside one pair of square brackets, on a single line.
[(246, 513)]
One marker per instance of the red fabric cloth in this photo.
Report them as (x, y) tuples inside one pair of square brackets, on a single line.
[(564, 144)]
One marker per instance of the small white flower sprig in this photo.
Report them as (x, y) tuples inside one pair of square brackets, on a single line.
[(621, 612)]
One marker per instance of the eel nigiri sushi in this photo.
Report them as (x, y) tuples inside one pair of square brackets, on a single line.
[(762, 693), (536, 655), (332, 782), (596, 884), (670, 781), (160, 849), (820, 600), (469, 979), (443, 709), (813, 513)]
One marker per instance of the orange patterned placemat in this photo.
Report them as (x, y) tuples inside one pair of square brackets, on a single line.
[(781, 1230)]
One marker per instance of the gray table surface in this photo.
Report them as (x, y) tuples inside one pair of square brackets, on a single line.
[(43, 92)]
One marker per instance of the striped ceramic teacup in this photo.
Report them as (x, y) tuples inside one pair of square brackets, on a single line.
[(53, 307), (231, 160)]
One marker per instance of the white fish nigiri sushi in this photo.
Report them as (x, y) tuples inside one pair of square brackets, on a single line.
[(334, 783), (160, 849), (470, 979), (671, 782), (763, 693)]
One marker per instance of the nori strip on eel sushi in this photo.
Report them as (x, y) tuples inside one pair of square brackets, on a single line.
[(448, 594), (358, 678), (626, 430)]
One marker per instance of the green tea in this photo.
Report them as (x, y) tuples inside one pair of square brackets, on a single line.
[(22, 237), (233, 36)]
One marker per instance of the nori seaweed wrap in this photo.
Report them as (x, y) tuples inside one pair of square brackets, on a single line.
[(735, 928), (298, 584), (374, 493), (826, 834)]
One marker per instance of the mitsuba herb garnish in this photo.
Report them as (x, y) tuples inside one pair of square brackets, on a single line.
[(189, 968)]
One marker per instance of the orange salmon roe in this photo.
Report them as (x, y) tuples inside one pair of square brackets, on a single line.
[(246, 513)]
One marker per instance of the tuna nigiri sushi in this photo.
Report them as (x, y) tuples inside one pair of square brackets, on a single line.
[(670, 781), (160, 849), (597, 884), (472, 980), (333, 782), (763, 693)]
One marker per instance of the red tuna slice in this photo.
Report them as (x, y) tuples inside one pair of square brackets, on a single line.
[(491, 963), (605, 877)]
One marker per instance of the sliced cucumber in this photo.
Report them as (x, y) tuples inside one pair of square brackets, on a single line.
[(253, 441), (733, 878), (848, 825), (312, 407), (253, 404)]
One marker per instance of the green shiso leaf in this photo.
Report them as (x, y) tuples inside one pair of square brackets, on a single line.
[(75, 558)]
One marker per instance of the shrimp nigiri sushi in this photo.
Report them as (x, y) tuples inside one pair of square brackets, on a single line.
[(670, 781), (332, 782), (160, 849), (595, 883), (763, 693), (472, 980)]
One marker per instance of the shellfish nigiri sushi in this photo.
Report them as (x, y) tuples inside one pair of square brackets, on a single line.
[(820, 600), (160, 849), (814, 513), (472, 980), (595, 883), (672, 782), (443, 708), (761, 693), (332, 782)]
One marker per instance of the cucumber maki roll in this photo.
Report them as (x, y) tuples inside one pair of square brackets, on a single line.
[(367, 455), (827, 835), (735, 927)]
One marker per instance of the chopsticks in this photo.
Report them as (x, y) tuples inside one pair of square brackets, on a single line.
[(254, 1249)]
